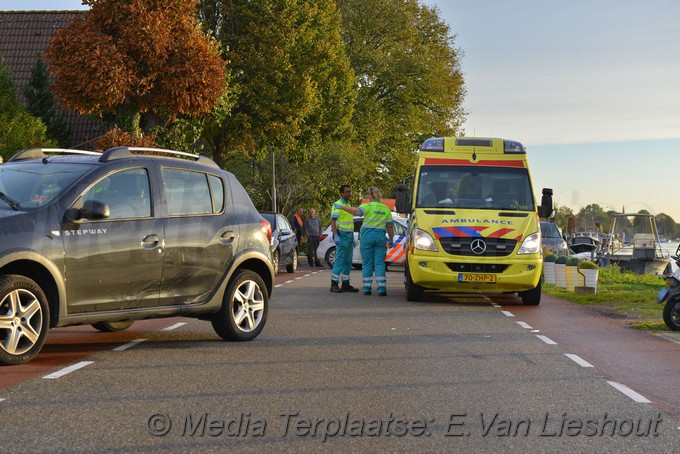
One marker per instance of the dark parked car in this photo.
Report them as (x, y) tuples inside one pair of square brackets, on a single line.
[(109, 238), (284, 242), (552, 238)]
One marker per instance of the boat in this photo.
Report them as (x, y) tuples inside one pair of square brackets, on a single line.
[(633, 244), (585, 242)]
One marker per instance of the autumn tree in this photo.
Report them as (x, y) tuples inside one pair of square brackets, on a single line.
[(409, 80), (137, 62)]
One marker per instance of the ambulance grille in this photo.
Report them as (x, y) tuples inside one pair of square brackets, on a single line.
[(495, 247)]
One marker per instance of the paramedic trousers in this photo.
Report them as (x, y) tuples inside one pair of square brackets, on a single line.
[(343, 257), (373, 252)]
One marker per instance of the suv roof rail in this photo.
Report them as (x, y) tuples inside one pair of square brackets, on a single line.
[(33, 153), (126, 152)]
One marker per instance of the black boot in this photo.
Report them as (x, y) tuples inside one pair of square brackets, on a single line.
[(348, 288), (335, 288)]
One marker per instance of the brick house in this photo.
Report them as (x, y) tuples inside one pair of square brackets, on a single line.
[(24, 37)]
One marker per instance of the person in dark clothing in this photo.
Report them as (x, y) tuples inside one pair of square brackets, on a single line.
[(298, 226), (313, 230)]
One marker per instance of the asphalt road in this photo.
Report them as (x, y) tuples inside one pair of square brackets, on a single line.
[(336, 373)]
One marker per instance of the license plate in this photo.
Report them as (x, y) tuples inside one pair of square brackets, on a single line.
[(483, 278)]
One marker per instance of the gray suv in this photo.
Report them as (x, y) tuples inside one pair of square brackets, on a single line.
[(132, 233)]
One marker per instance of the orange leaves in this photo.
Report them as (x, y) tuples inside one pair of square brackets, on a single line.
[(148, 54)]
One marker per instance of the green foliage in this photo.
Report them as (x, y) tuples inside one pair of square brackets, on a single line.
[(19, 130), (410, 82), (561, 260), (338, 95), (572, 261), (295, 85), (587, 265), (40, 103), (550, 258)]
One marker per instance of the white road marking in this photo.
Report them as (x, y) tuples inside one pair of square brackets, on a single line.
[(508, 313), (120, 348), (578, 360), (278, 285), (289, 282), (2, 399), (69, 369), (175, 326), (630, 393), (524, 325), (495, 305), (546, 339)]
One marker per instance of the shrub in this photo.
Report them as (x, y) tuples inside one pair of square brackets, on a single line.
[(572, 261), (550, 258), (587, 265), (561, 260)]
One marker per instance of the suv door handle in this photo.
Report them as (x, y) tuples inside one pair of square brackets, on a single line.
[(227, 237), (150, 241)]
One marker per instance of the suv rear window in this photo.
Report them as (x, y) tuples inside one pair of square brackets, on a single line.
[(189, 192)]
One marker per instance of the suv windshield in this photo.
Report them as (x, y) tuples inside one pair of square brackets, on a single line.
[(474, 187), (28, 186)]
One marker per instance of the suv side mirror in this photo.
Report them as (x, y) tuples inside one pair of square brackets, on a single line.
[(93, 209), (403, 201), (546, 208)]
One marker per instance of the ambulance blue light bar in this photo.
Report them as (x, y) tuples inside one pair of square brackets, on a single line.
[(434, 144), (512, 147)]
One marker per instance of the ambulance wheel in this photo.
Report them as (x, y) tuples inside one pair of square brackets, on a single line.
[(413, 292), (531, 297)]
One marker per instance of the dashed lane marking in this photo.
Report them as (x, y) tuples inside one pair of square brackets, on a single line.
[(546, 339), (68, 370), (578, 360), (120, 348), (630, 393), (508, 313), (175, 326), (524, 325)]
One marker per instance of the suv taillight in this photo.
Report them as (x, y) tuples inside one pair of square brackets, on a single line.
[(266, 228)]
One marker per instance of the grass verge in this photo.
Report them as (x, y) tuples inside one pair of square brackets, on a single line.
[(622, 295)]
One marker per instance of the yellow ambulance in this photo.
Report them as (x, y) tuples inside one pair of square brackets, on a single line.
[(473, 220)]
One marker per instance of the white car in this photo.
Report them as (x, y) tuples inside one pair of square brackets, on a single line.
[(395, 255)]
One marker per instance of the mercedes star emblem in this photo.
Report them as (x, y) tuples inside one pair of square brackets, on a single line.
[(478, 247)]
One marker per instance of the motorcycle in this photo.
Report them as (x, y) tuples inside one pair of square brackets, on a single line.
[(671, 295)]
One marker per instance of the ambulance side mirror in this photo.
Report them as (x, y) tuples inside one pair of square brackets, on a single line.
[(546, 208), (403, 201)]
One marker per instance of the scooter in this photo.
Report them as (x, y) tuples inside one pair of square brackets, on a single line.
[(671, 295)]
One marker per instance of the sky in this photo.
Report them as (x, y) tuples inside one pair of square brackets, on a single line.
[(590, 87)]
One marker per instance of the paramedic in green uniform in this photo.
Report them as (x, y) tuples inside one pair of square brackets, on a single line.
[(342, 225), (377, 222)]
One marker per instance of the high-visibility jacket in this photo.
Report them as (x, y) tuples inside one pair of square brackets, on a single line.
[(344, 221), (376, 216)]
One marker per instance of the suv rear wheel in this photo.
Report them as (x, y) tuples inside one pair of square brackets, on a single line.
[(24, 319), (244, 308)]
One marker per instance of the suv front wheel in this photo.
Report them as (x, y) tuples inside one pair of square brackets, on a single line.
[(244, 308), (24, 319)]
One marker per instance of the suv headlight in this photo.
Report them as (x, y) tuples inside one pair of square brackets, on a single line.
[(423, 241), (531, 244)]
